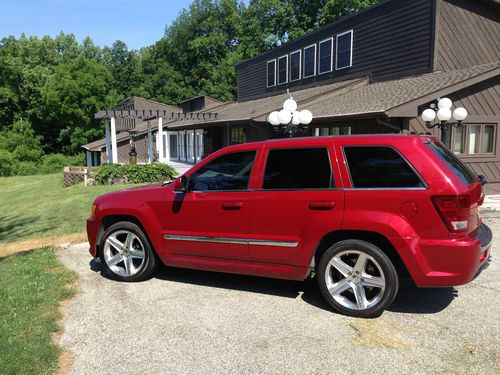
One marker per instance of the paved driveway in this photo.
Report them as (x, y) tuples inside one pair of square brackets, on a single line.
[(193, 322)]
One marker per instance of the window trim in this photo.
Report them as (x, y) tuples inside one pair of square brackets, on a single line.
[(337, 50), (299, 51), (332, 177), (267, 73), (422, 181), (480, 154), (255, 160), (278, 70), (314, 64), (331, 55)]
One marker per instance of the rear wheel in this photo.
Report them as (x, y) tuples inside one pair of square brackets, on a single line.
[(126, 253), (357, 278)]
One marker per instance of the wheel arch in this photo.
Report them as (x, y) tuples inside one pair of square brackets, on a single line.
[(374, 238)]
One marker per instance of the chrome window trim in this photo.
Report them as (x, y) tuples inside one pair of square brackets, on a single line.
[(241, 241)]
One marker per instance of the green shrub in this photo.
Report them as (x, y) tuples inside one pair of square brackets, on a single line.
[(26, 168), (113, 173), (6, 163), (56, 162)]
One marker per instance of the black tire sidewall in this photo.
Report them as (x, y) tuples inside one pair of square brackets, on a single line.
[(150, 259), (390, 274)]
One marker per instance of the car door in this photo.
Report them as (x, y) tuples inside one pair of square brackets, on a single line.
[(297, 203), (211, 219)]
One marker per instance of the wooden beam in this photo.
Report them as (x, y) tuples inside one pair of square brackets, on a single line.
[(154, 114)]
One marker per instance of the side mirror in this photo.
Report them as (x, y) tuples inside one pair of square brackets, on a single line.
[(181, 184)]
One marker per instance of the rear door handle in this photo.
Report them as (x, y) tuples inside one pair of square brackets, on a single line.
[(232, 205), (321, 205)]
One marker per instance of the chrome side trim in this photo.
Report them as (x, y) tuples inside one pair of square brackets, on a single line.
[(241, 241)]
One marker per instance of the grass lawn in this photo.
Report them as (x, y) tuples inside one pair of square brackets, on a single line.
[(39, 207), (31, 286)]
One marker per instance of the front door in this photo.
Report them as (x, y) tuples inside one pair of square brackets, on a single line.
[(296, 205), (211, 219)]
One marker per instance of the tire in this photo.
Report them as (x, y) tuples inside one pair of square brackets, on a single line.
[(126, 254), (357, 279)]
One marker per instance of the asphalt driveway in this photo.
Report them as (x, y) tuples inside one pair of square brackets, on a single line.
[(194, 322)]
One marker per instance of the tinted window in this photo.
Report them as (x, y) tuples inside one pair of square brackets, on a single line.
[(344, 44), (310, 61), (465, 175), (304, 168), (295, 66), (271, 73), (325, 56), (229, 172), (379, 167), (282, 69)]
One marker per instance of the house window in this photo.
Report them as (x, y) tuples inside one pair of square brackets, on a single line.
[(325, 56), (332, 130), (473, 139), (310, 61), (271, 73), (283, 70), (295, 65), (344, 50), (238, 135)]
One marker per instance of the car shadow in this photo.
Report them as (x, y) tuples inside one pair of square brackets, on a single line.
[(410, 299)]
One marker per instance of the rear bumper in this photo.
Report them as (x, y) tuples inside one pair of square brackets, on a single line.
[(92, 231), (452, 262)]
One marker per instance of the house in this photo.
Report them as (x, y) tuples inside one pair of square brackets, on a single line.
[(374, 71)]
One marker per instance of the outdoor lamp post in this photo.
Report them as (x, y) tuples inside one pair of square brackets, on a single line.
[(289, 120), (443, 114)]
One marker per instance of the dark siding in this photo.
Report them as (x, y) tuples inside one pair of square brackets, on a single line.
[(482, 101), (468, 34), (393, 39)]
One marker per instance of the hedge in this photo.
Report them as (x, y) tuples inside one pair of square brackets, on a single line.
[(128, 173)]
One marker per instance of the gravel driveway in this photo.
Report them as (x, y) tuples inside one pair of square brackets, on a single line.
[(194, 322)]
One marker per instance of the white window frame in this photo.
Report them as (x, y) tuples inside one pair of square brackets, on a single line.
[(267, 73), (299, 51), (314, 64), (337, 50), (278, 70), (331, 55)]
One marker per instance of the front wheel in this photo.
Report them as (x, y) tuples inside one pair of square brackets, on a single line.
[(126, 253), (357, 278)]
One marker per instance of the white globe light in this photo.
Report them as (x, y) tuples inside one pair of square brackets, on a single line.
[(428, 115), (295, 118), (273, 118), (444, 103), (290, 105), (284, 116), (460, 114), (305, 116), (444, 114)]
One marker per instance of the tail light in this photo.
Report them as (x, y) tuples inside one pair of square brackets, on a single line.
[(454, 210)]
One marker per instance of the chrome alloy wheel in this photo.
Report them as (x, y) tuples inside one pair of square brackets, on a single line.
[(124, 253), (355, 280)]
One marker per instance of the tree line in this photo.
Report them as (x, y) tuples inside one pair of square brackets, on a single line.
[(50, 88)]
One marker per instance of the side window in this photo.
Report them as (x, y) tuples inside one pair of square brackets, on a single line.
[(299, 168), (228, 172), (379, 167)]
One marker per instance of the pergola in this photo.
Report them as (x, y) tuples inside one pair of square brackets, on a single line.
[(109, 117)]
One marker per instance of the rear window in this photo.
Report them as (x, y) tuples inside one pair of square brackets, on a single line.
[(379, 167), (300, 168), (464, 173)]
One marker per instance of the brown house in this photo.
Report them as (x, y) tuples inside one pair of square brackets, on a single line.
[(371, 72)]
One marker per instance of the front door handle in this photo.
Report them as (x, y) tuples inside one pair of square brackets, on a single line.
[(321, 205), (232, 205)]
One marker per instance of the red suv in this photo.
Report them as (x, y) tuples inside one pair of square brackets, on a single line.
[(356, 211)]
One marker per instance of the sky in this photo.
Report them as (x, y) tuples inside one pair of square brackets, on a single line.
[(138, 23)]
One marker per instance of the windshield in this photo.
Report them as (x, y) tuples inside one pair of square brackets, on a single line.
[(463, 172)]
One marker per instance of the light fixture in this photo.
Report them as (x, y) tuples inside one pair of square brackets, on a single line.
[(289, 120), (443, 114)]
